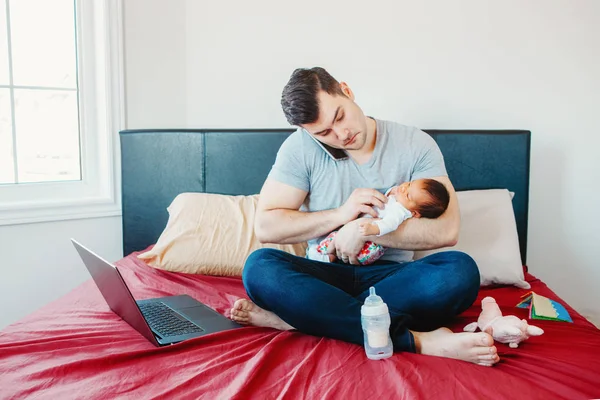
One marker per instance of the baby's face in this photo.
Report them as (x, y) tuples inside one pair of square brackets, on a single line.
[(410, 194)]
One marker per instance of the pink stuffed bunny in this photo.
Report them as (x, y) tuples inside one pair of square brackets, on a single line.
[(508, 329)]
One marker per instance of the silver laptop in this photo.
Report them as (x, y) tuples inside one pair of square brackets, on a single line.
[(163, 320)]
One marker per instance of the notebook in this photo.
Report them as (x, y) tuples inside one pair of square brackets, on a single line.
[(541, 307)]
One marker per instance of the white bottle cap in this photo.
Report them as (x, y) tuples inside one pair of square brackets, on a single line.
[(374, 305)]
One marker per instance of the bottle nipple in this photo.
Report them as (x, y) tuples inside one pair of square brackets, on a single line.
[(373, 299)]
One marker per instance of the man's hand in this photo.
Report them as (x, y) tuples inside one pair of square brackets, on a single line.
[(368, 228), (361, 201), (348, 242)]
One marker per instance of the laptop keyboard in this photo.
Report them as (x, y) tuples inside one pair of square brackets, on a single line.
[(165, 322)]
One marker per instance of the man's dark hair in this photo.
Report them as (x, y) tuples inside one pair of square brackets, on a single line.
[(438, 199), (299, 98)]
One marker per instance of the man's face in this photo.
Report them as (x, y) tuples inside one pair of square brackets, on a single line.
[(341, 122)]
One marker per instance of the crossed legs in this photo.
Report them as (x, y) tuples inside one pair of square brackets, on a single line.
[(324, 299)]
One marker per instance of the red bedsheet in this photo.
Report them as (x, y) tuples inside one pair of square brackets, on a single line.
[(76, 347)]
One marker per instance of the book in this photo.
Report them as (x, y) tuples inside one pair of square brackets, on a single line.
[(541, 307)]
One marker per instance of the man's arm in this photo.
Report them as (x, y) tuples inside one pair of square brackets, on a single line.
[(278, 219), (426, 233)]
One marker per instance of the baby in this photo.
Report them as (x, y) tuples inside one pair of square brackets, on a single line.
[(421, 198)]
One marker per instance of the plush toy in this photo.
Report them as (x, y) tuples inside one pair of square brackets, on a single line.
[(504, 329)]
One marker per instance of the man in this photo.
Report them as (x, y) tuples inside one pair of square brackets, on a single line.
[(310, 193)]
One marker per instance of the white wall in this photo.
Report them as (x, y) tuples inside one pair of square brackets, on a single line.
[(39, 263), (435, 64), (155, 67)]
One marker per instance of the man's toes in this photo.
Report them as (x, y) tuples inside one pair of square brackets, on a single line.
[(483, 350), (488, 359), (236, 306), (239, 313), (485, 339), (239, 316), (239, 304), (246, 304)]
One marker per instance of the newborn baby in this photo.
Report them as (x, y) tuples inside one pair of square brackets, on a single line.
[(421, 198)]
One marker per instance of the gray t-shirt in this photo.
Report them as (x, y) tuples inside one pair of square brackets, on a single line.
[(402, 153)]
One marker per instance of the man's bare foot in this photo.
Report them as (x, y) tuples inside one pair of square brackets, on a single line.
[(477, 348), (246, 312)]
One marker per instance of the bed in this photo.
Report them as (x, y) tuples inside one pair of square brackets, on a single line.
[(76, 347)]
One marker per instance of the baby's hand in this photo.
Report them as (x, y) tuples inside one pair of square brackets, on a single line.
[(368, 229)]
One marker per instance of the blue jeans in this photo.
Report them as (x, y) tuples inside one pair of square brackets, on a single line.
[(324, 299)]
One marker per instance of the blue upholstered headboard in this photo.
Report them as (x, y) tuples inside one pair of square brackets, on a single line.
[(157, 165)]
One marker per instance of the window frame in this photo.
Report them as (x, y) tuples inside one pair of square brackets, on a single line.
[(101, 117)]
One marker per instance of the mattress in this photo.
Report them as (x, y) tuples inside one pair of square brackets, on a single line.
[(75, 347)]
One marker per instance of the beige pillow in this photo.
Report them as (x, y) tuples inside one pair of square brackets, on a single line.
[(488, 233), (210, 234)]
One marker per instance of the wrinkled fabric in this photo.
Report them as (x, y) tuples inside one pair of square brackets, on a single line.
[(76, 347)]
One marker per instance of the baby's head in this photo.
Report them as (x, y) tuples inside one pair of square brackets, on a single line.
[(426, 198)]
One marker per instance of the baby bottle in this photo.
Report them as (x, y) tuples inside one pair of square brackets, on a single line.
[(375, 319)]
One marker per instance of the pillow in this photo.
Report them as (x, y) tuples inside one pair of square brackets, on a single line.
[(488, 233), (210, 234)]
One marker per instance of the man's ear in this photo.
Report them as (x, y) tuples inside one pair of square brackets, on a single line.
[(346, 90)]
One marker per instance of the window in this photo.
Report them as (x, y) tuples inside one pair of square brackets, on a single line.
[(60, 109), (39, 131)]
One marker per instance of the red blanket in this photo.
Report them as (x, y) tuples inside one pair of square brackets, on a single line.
[(76, 347)]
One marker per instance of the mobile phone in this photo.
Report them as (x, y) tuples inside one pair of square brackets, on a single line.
[(336, 154)]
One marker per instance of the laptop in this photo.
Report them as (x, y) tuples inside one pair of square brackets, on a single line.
[(163, 320)]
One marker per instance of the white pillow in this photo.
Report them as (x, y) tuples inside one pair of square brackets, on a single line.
[(488, 233)]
